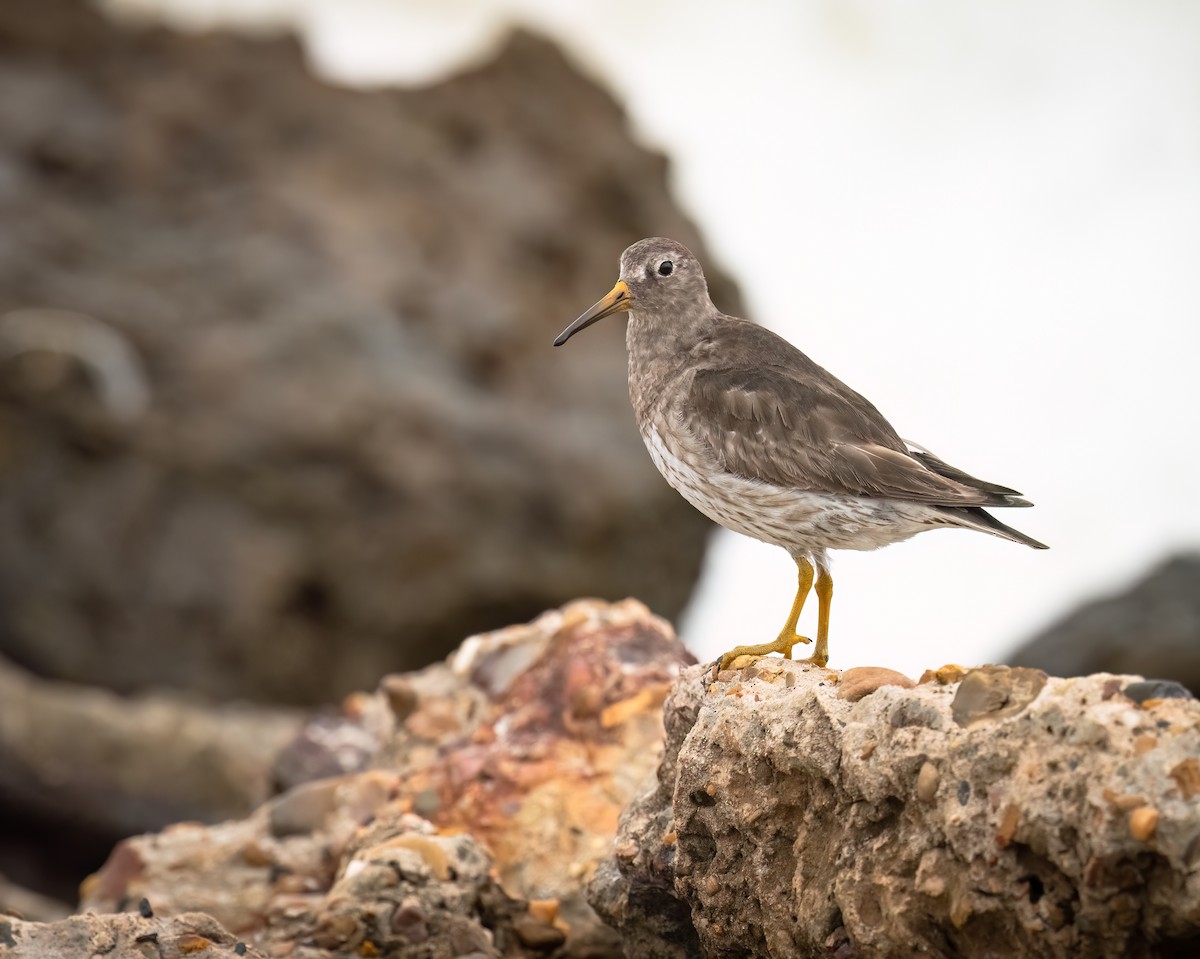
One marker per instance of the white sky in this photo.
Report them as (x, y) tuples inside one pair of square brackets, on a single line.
[(984, 217)]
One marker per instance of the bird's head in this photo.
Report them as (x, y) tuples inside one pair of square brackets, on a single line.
[(658, 277)]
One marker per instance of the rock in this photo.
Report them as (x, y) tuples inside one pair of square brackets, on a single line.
[(121, 935), (1152, 628), (950, 673), (928, 780), (403, 891), (1027, 816), (861, 681), (285, 416), (529, 740)]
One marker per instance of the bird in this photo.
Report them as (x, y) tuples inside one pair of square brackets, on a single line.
[(763, 441)]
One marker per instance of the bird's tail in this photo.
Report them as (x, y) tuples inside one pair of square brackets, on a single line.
[(973, 517)]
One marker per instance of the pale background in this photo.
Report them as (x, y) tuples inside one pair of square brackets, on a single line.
[(985, 217)]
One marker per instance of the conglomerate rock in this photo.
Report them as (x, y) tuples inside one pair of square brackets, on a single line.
[(991, 813), (278, 407), (120, 936), (1151, 627), (527, 743)]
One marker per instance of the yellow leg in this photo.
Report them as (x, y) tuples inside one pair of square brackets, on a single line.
[(824, 592), (788, 637)]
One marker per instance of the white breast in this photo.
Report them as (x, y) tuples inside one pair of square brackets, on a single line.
[(797, 520)]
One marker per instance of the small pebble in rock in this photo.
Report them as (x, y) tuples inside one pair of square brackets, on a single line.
[(990, 693), (1143, 745), (927, 782), (1007, 829), (544, 910), (145, 910), (1143, 821), (861, 681), (950, 673), (1147, 689), (537, 935), (1187, 777)]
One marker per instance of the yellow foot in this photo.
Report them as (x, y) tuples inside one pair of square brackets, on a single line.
[(781, 644)]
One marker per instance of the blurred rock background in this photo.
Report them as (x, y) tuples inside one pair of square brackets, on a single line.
[(278, 408), (349, 443), (1152, 628)]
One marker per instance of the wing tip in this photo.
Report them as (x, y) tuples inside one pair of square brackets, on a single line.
[(985, 522)]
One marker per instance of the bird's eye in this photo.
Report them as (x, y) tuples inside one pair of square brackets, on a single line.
[(665, 268)]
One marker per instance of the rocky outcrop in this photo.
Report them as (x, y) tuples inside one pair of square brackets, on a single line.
[(121, 936), (574, 788), (1153, 627), (278, 408), (991, 813), (400, 890), (527, 743)]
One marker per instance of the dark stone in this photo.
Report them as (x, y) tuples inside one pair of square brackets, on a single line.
[(1156, 689), (1152, 628), (329, 437)]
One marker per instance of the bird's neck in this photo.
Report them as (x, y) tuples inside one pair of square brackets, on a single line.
[(661, 351)]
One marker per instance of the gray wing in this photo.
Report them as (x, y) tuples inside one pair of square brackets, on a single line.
[(803, 429)]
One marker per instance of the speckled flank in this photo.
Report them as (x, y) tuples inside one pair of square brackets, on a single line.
[(801, 521)]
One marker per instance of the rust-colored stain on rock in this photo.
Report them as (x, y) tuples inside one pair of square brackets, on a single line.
[(534, 764)]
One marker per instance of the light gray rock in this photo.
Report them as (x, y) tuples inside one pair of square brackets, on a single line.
[(1006, 814), (121, 935)]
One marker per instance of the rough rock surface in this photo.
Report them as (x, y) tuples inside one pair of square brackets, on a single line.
[(998, 814), (1153, 627), (119, 936), (379, 882), (301, 424), (531, 740)]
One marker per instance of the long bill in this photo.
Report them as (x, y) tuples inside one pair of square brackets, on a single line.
[(617, 300)]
